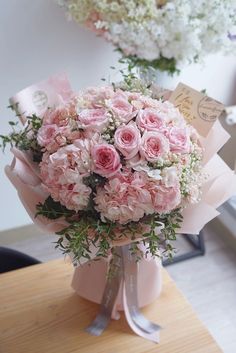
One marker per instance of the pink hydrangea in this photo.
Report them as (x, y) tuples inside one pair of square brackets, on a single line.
[(74, 196), (165, 199), (124, 199), (62, 174)]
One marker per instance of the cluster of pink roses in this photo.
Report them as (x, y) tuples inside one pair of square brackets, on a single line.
[(140, 146)]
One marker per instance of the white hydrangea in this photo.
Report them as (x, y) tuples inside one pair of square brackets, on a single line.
[(149, 29)]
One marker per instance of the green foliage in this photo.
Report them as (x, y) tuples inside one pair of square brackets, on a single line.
[(162, 64), (53, 210), (160, 244), (24, 139), (74, 240), (172, 223), (77, 238), (85, 228)]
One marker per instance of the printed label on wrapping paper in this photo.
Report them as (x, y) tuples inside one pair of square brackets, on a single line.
[(198, 109), (36, 99)]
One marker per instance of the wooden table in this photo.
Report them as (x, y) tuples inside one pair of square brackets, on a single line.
[(40, 313)]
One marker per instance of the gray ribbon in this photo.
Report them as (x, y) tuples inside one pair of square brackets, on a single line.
[(130, 273), (109, 295), (123, 268)]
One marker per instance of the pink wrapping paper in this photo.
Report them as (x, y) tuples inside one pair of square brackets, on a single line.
[(89, 282), (37, 98), (24, 176)]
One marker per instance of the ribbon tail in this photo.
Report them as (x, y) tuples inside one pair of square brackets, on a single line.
[(110, 293), (145, 324), (154, 336), (99, 324), (135, 318)]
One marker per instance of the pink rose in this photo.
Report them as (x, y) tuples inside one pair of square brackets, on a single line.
[(154, 145), (149, 119), (106, 160), (93, 118), (149, 102), (121, 108), (166, 199), (94, 97), (46, 134), (171, 114), (53, 137), (134, 99), (127, 140), (179, 140), (60, 116)]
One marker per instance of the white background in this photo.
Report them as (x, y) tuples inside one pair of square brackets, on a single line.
[(37, 41)]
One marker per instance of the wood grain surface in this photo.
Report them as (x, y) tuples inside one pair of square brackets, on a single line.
[(40, 313)]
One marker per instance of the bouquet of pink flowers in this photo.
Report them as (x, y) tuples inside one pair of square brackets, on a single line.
[(116, 172), (117, 166)]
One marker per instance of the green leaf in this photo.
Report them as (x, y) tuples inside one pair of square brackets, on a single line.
[(53, 210)]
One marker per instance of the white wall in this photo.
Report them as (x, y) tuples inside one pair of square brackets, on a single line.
[(36, 41)]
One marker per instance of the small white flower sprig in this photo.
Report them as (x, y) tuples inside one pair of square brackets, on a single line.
[(108, 133)]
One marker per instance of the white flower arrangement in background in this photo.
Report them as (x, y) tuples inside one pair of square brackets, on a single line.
[(160, 33)]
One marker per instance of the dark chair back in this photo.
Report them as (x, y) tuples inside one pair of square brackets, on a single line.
[(12, 260)]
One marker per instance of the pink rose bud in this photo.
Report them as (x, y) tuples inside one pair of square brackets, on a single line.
[(154, 145), (106, 160), (127, 140)]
